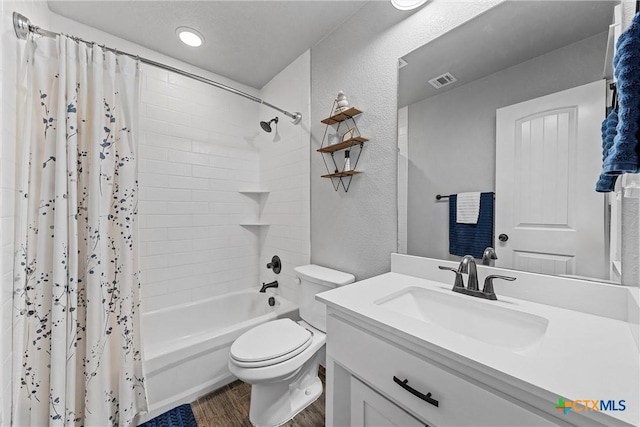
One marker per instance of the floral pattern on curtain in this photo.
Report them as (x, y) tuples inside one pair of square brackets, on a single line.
[(77, 350)]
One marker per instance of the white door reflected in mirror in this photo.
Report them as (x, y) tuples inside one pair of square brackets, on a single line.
[(546, 150)]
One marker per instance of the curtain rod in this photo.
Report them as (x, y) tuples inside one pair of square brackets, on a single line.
[(22, 26)]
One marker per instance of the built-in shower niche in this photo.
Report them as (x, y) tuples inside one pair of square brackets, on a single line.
[(260, 197)]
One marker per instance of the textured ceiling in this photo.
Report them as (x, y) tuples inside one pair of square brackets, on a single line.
[(509, 34), (247, 41)]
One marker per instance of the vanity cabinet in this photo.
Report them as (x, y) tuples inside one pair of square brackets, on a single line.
[(385, 383), (448, 359)]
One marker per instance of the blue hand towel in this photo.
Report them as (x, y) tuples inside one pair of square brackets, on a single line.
[(623, 155), (607, 183), (471, 239)]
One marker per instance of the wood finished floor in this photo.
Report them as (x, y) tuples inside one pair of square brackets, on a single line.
[(229, 407)]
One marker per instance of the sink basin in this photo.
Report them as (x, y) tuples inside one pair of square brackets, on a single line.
[(483, 321)]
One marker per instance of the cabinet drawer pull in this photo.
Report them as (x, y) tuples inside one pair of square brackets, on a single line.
[(405, 385)]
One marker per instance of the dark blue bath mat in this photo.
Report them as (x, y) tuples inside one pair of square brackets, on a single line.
[(182, 416)]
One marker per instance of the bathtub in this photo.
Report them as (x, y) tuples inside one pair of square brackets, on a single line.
[(186, 347)]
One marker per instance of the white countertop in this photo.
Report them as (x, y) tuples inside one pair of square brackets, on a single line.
[(581, 356)]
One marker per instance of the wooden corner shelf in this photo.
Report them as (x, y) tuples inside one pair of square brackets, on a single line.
[(340, 174), (356, 140), (342, 145), (341, 117)]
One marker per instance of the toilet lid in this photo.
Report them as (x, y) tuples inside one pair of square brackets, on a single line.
[(270, 340)]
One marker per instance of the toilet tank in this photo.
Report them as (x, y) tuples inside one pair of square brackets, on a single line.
[(314, 279)]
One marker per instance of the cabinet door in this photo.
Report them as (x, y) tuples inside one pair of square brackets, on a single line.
[(369, 409)]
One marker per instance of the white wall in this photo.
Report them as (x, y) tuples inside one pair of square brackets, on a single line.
[(452, 135), (356, 231), (284, 159)]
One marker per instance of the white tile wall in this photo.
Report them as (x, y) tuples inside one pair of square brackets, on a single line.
[(285, 165), (196, 151)]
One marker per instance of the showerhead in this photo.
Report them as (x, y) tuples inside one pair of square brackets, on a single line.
[(266, 126)]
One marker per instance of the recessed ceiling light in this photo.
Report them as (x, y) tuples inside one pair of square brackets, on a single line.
[(189, 36), (407, 4)]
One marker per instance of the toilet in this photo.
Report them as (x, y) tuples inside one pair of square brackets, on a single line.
[(280, 358)]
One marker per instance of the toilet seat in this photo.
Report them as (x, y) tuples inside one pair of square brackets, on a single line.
[(270, 343)]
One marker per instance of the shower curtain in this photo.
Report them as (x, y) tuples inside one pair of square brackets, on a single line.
[(76, 345)]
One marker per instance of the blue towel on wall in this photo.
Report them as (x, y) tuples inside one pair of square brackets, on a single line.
[(607, 183), (471, 239), (623, 155)]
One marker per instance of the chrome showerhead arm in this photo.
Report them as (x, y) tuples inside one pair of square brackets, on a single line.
[(295, 117)]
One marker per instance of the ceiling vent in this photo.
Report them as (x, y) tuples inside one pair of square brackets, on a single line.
[(443, 80)]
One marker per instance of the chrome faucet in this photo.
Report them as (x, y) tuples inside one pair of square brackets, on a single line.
[(487, 290), (468, 266), (266, 286), (489, 256)]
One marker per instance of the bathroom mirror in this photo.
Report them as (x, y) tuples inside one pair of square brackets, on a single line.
[(514, 53)]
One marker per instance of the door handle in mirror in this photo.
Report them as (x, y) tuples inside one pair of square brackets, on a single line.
[(503, 237)]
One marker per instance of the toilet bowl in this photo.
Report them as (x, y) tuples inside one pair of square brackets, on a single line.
[(286, 381), (280, 359)]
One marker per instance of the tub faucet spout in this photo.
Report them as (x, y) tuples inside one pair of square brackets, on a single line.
[(266, 286)]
